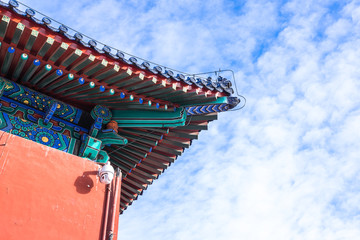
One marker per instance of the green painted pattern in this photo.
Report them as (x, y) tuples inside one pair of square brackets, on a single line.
[(90, 147), (31, 131), (29, 108), (39, 101), (110, 137), (219, 100), (102, 112), (143, 118)]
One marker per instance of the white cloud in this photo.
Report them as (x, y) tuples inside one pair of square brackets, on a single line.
[(284, 167)]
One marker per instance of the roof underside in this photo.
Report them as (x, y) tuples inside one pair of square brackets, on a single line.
[(86, 76), (150, 151)]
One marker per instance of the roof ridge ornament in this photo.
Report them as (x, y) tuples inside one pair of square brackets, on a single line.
[(13, 4)]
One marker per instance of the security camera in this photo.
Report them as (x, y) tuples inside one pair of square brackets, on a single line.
[(106, 173)]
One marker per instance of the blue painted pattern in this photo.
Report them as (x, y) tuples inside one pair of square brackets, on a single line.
[(31, 131), (41, 102), (197, 110), (102, 112)]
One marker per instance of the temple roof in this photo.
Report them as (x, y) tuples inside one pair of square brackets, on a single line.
[(57, 61), (86, 75)]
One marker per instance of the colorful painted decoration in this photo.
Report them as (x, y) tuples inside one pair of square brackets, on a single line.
[(113, 125), (103, 112), (142, 117), (20, 102), (41, 102), (197, 110), (90, 147), (102, 157), (31, 131), (109, 136)]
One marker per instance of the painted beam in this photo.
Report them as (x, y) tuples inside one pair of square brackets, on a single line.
[(4, 23), (139, 118), (55, 55), (156, 115), (19, 66), (7, 60), (18, 32), (30, 71), (32, 39), (59, 82)]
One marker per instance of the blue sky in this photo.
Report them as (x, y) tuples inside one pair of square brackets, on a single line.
[(287, 165)]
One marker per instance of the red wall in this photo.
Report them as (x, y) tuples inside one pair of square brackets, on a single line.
[(47, 194)]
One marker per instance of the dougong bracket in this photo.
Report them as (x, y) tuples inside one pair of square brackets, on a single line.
[(99, 137), (90, 147), (101, 115)]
